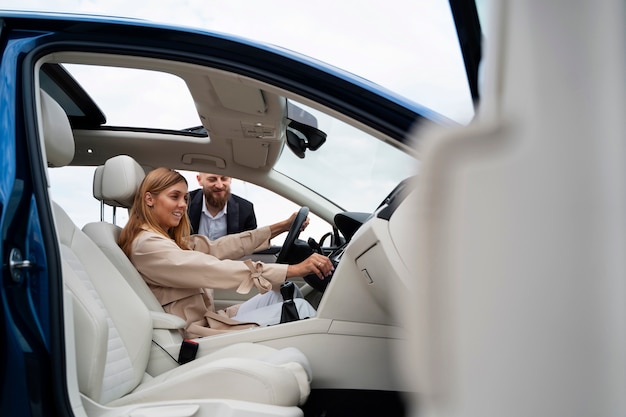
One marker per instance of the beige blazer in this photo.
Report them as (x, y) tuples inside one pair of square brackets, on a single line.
[(183, 280)]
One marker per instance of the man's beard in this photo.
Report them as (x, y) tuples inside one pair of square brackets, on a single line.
[(218, 202)]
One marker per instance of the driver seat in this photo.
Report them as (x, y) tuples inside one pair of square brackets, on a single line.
[(115, 184)]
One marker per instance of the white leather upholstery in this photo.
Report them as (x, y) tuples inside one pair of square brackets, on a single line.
[(58, 134), (113, 329), (117, 187), (101, 307), (115, 183), (105, 236)]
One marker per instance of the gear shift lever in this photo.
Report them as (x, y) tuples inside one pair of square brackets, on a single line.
[(289, 311)]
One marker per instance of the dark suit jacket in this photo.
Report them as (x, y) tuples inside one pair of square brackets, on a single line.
[(239, 214)]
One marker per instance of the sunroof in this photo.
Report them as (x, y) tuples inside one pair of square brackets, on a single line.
[(137, 98)]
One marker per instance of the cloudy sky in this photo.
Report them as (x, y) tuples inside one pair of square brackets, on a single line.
[(404, 45), (407, 46)]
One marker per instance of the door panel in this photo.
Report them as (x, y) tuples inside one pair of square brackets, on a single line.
[(32, 372)]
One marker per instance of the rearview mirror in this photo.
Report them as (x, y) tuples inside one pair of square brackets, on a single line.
[(301, 137), (302, 131)]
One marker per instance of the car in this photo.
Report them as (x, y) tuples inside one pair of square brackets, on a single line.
[(336, 146)]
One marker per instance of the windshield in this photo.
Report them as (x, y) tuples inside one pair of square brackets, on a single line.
[(353, 169)]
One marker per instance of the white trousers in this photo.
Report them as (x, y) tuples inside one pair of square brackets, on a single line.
[(265, 309)]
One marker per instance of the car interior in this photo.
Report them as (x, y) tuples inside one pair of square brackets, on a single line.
[(492, 286), (126, 346)]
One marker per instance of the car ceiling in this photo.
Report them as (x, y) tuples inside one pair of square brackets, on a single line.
[(246, 123)]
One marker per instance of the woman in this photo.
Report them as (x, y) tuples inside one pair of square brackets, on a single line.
[(182, 269)]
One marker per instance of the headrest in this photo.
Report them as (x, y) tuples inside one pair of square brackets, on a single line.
[(116, 182), (57, 132)]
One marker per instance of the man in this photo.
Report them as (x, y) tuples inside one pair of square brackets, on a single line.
[(214, 211)]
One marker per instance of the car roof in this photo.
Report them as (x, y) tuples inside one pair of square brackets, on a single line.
[(278, 61), (205, 60)]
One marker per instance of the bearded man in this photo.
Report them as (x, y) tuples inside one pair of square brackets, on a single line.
[(214, 211)]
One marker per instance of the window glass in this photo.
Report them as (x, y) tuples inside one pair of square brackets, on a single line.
[(71, 189), (269, 207), (148, 99), (353, 169)]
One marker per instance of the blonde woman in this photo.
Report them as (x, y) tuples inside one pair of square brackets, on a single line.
[(183, 269)]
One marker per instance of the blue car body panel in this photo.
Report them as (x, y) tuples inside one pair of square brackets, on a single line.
[(27, 314)]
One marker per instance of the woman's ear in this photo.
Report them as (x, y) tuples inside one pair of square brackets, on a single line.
[(148, 199)]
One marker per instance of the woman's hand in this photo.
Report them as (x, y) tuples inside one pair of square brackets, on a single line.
[(285, 225), (291, 219), (316, 264)]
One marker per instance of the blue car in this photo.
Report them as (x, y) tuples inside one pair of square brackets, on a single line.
[(89, 105)]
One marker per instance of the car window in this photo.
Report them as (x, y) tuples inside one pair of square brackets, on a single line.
[(352, 169), (71, 189), (269, 207), (146, 99)]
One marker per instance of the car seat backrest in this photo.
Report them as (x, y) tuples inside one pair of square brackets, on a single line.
[(115, 184), (57, 132), (113, 327), (105, 236)]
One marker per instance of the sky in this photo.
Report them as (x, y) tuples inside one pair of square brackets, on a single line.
[(406, 46), (403, 45)]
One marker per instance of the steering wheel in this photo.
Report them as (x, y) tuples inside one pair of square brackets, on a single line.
[(292, 235)]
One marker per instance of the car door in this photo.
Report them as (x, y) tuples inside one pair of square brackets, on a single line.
[(32, 374)]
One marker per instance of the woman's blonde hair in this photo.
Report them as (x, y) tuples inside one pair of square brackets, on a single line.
[(140, 214)]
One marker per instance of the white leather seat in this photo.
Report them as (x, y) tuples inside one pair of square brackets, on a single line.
[(115, 184), (113, 326)]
